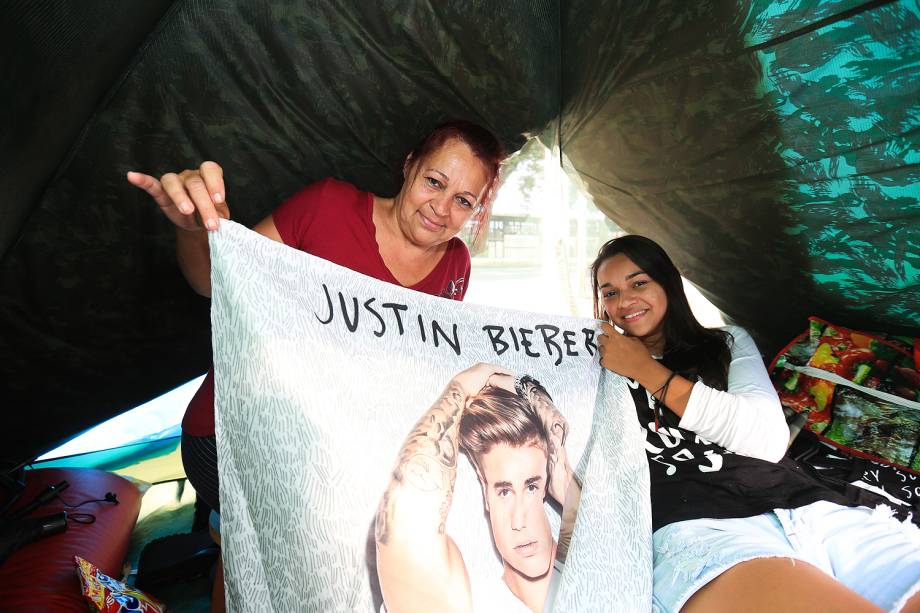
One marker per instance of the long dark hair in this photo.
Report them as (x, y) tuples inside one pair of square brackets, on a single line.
[(690, 349)]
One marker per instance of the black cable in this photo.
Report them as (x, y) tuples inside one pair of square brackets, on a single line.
[(54, 491), (11, 482), (82, 518), (87, 518), (45, 496), (109, 497), (868, 6)]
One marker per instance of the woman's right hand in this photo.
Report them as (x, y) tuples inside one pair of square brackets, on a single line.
[(621, 354), (192, 200)]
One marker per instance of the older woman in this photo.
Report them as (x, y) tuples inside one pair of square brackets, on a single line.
[(408, 240)]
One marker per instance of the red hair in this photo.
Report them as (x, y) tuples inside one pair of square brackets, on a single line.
[(487, 149)]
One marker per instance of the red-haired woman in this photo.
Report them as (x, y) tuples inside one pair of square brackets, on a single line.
[(408, 240)]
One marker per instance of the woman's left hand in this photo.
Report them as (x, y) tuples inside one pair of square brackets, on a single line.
[(624, 355)]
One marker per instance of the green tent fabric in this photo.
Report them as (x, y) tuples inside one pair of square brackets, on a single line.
[(772, 147)]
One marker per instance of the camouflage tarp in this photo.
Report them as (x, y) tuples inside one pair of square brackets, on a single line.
[(772, 147)]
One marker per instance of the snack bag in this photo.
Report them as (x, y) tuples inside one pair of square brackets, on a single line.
[(110, 596)]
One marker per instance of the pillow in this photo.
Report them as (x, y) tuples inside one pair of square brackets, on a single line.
[(859, 390), (104, 541)]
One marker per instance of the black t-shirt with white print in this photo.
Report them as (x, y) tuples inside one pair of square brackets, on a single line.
[(693, 478)]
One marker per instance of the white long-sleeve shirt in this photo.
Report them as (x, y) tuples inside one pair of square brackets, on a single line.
[(747, 418)]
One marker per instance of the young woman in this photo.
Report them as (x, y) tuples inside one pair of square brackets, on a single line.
[(408, 240), (736, 526)]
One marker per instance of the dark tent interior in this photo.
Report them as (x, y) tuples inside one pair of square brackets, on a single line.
[(773, 148)]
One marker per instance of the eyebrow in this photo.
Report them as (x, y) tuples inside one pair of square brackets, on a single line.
[(507, 484), (628, 277), (447, 180)]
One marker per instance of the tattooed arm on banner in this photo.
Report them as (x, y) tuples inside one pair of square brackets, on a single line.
[(419, 565)]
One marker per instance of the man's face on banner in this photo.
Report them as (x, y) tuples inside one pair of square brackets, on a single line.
[(515, 485)]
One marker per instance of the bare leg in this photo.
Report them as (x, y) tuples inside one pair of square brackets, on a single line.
[(218, 604), (912, 605), (218, 598), (777, 584)]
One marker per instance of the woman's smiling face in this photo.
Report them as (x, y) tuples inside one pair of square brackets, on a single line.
[(633, 301), (440, 193)]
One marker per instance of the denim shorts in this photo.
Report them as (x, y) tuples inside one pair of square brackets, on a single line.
[(867, 550)]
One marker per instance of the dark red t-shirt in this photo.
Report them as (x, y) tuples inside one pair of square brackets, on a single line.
[(333, 220)]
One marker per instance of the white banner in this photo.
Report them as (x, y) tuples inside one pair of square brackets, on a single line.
[(321, 374)]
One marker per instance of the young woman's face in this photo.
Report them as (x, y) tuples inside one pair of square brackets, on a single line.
[(441, 192), (633, 301)]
